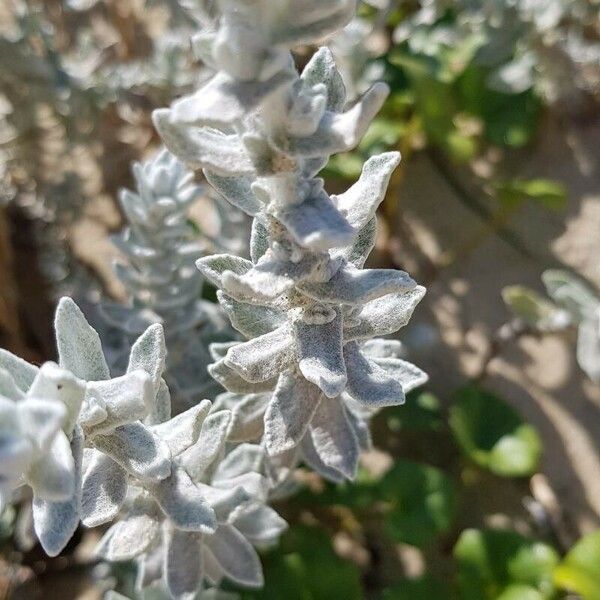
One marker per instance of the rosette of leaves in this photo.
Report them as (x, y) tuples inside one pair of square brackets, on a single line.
[(160, 247), (262, 132), (177, 559), (66, 407), (248, 418)]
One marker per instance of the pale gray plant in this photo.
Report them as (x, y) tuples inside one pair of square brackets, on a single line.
[(262, 132), (97, 449), (575, 304), (160, 247)]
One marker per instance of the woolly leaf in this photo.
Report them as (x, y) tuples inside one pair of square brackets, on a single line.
[(203, 148), (183, 564), (289, 413), (262, 358), (236, 190), (213, 267), (21, 371), (251, 320), (320, 356), (79, 346), (183, 502), (360, 202), (137, 450), (317, 224), (353, 286), (236, 557), (369, 383), (56, 522), (104, 489), (333, 438)]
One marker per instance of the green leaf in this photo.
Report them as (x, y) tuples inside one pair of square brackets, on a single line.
[(422, 502), (520, 592), (305, 567), (535, 310), (580, 569), (423, 588), (493, 435), (421, 412), (495, 564), (548, 193)]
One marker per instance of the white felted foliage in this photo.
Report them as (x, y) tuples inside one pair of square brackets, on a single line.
[(98, 449), (159, 248), (261, 132), (182, 558)]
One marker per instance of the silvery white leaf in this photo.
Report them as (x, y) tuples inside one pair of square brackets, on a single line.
[(183, 502), (235, 383), (245, 458), (320, 357), (148, 353), (370, 384), (182, 563), (259, 240), (79, 346), (321, 69), (56, 384), (124, 399), (40, 420), (269, 278), (203, 148), (236, 190), (289, 413), (364, 242), (224, 500), (254, 485), (247, 417), (56, 522), (218, 350), (406, 373), (236, 556), (52, 477), (384, 315), (588, 348), (22, 372), (311, 20), (383, 348), (259, 524), (262, 358), (313, 460), (129, 537), (199, 458), (353, 286), (224, 100), (104, 489), (333, 438), (213, 267), (360, 202), (137, 450), (317, 224), (8, 386), (183, 430), (249, 319), (340, 132)]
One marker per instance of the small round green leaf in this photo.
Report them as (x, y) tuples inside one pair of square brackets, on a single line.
[(495, 564), (421, 502), (493, 435), (580, 569)]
